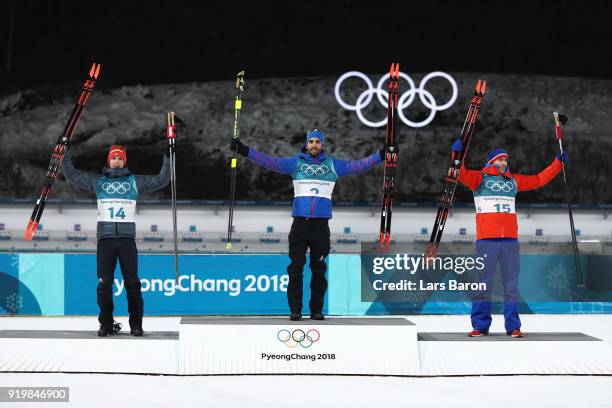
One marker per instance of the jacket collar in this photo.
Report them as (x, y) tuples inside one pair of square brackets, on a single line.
[(116, 173), (304, 155), (494, 171)]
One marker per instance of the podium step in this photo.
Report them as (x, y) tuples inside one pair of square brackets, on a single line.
[(268, 345), (85, 352), (499, 354)]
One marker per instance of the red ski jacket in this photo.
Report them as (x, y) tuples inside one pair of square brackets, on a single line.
[(494, 203)]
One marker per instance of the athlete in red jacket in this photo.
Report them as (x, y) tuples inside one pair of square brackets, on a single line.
[(495, 190)]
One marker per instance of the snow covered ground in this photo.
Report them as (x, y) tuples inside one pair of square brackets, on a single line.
[(93, 390), (89, 390)]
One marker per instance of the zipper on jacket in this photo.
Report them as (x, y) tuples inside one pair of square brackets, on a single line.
[(312, 207)]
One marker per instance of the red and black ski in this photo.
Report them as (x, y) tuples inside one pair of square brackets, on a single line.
[(452, 176), (58, 152), (390, 158)]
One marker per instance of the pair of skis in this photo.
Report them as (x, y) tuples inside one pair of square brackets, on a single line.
[(452, 176), (60, 149), (384, 237)]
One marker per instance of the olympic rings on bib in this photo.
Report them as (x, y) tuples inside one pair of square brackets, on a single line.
[(405, 99), (298, 336), (498, 185), (116, 187), (314, 169)]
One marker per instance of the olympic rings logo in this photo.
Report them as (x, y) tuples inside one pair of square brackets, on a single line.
[(298, 336), (314, 169), (116, 187), (405, 99), (498, 185)]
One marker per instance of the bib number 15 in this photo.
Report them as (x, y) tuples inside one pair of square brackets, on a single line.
[(119, 214), (503, 208)]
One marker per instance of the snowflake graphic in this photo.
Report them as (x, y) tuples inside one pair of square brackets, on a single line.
[(26, 263), (14, 261), (558, 277), (14, 302)]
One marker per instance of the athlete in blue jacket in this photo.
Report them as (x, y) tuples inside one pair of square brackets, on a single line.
[(314, 175)]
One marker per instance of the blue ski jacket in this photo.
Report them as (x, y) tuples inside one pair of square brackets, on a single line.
[(313, 177)]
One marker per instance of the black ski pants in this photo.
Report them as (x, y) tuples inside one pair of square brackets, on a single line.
[(307, 233), (124, 249)]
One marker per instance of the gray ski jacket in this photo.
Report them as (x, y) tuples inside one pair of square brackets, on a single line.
[(88, 181)]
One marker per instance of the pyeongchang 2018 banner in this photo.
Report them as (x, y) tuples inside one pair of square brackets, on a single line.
[(65, 284)]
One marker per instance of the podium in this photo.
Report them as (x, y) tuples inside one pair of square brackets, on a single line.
[(268, 345), (389, 346)]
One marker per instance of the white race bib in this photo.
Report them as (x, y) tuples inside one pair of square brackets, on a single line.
[(116, 210), (313, 188), (494, 204)]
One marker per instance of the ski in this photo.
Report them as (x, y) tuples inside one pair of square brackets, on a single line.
[(171, 134), (390, 157), (452, 176), (58, 152), (562, 120), (233, 163)]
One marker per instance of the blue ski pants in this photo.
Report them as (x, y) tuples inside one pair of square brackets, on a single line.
[(506, 253)]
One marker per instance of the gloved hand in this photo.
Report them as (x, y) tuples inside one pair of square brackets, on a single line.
[(236, 144), (383, 152), (563, 157), (458, 146)]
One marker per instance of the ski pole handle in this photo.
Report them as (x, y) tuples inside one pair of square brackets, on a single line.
[(170, 130), (558, 131)]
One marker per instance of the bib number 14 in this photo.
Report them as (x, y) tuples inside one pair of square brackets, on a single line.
[(118, 214), (503, 208)]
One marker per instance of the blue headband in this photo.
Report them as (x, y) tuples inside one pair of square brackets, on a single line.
[(315, 133), (496, 154)]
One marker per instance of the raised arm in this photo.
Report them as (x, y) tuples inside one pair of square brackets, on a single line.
[(531, 182), (161, 180), (83, 179), (350, 167), (470, 178), (284, 165)]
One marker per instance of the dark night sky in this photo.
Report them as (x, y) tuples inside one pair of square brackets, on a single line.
[(172, 41)]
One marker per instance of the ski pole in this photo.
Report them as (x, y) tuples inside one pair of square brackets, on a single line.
[(562, 120), (233, 163), (171, 133)]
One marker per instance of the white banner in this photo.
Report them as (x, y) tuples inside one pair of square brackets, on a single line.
[(313, 188), (116, 210), (494, 204)]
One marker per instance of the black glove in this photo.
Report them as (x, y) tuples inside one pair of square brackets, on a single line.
[(236, 144), (383, 152)]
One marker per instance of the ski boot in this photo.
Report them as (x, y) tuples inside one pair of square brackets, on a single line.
[(106, 331), (137, 331)]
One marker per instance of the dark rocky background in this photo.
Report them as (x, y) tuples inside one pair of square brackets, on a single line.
[(159, 56)]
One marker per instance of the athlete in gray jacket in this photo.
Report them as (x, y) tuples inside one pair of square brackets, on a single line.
[(117, 191)]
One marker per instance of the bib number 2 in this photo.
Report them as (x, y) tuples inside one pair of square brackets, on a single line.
[(118, 214)]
